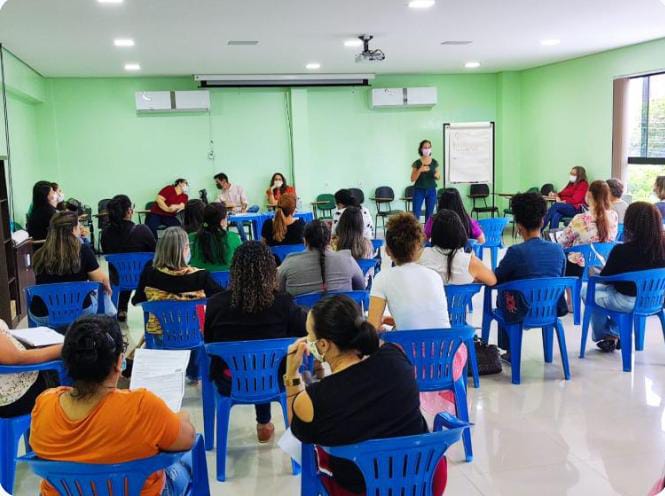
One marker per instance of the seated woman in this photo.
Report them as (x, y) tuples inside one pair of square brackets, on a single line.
[(319, 268), (253, 308), (121, 235), (193, 216), (659, 190), (94, 422), (170, 277), (44, 202), (534, 257), (450, 199), (643, 249), (343, 200), (18, 392), (277, 188), (619, 205), (350, 234), (65, 258), (284, 229), (413, 294), (448, 255), (570, 201), (598, 225), (212, 245), (371, 393)]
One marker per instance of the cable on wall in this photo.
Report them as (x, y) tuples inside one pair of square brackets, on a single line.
[(289, 125)]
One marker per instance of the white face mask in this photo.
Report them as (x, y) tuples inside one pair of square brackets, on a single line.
[(426, 152), (184, 188), (314, 351), (572, 179), (278, 184), (60, 198)]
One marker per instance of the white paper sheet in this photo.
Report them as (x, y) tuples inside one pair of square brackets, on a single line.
[(291, 445), (38, 336), (161, 372)]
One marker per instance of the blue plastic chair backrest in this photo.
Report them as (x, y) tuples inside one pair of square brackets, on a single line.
[(493, 230), (366, 264), (88, 479), (590, 253), (377, 244), (221, 277), (542, 296), (361, 297), (399, 465), (129, 266), (254, 366), (64, 300), (181, 329), (472, 244), (458, 297), (650, 285), (55, 365), (281, 251), (620, 232), (431, 352)]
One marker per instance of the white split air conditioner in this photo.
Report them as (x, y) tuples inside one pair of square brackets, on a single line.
[(403, 97), (172, 101), (271, 80)]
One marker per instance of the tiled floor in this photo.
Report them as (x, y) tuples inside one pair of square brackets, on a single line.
[(601, 433)]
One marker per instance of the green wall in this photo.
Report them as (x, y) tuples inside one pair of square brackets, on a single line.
[(86, 134)]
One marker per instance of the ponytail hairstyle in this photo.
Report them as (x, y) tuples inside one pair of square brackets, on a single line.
[(448, 234), (193, 215), (643, 225), (340, 320), (350, 232), (117, 209), (451, 199), (211, 237), (285, 208), (61, 253), (91, 349), (600, 192), (317, 237)]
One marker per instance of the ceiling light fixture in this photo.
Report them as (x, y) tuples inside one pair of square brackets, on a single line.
[(123, 42), (132, 67), (472, 65), (552, 41), (353, 43), (312, 66), (110, 1), (421, 4)]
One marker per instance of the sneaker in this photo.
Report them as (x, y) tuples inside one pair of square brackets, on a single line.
[(607, 345), (265, 432)]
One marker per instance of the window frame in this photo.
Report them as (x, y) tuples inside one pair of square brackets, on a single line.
[(643, 159)]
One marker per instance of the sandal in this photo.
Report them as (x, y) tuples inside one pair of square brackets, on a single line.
[(607, 345)]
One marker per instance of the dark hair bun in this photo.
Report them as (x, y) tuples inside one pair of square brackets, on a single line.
[(366, 341)]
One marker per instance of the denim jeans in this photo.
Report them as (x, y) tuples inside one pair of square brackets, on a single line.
[(608, 297), (155, 220), (178, 477), (556, 212), (428, 196)]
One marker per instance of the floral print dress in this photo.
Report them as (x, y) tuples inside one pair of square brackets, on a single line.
[(14, 386), (582, 230)]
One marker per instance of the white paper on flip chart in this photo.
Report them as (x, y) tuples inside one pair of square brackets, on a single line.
[(291, 445), (38, 336), (161, 372)]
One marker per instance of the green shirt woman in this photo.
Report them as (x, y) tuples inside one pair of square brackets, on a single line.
[(424, 174), (212, 246)]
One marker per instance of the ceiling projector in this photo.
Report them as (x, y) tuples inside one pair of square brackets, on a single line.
[(368, 55)]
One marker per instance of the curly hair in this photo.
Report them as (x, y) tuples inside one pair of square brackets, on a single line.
[(253, 277), (404, 237), (529, 209)]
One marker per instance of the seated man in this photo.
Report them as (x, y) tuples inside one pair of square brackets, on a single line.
[(231, 195)]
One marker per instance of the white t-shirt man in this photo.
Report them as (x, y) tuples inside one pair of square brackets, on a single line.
[(235, 196), (414, 296)]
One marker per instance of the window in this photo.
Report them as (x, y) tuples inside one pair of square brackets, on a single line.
[(646, 115)]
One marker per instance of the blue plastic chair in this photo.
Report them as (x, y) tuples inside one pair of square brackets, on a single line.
[(377, 244), (129, 267), (11, 429), (221, 277), (591, 259), (367, 264), (64, 301), (254, 368), (650, 285), (459, 298), (620, 233), (393, 466), (361, 297), (432, 352), (473, 245), (542, 296), (282, 251), (493, 231), (181, 330), (117, 479)]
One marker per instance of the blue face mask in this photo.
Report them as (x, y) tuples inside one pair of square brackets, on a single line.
[(123, 367)]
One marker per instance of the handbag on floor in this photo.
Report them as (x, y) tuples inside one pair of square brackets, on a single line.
[(487, 355)]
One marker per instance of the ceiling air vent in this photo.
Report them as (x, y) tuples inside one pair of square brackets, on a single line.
[(242, 43), (456, 43)]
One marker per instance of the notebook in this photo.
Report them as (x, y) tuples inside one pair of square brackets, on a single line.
[(38, 336)]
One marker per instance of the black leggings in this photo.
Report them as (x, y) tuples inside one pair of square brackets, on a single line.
[(25, 403)]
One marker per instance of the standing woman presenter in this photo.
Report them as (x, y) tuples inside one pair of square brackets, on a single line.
[(424, 174)]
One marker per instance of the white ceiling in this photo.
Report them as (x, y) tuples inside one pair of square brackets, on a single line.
[(184, 37)]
